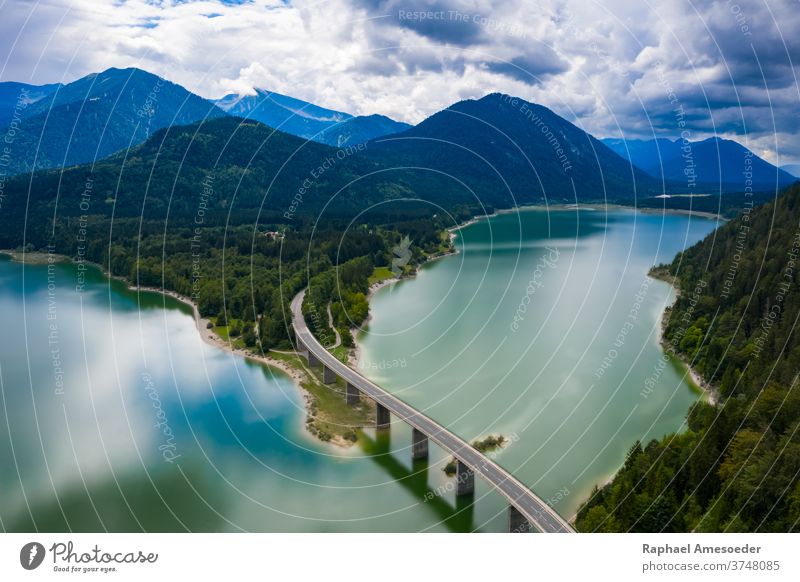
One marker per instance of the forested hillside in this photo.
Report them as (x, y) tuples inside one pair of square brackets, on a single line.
[(510, 151), (736, 467), (226, 212)]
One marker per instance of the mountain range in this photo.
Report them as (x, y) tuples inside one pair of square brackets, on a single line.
[(307, 120), (472, 157), (228, 170), (793, 169), (714, 163), (360, 129), (497, 151), (15, 97), (61, 125)]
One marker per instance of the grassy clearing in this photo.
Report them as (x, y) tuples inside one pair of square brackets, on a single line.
[(223, 331), (329, 415), (380, 274), (340, 352), (35, 257)]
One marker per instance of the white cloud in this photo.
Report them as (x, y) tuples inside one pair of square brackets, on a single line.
[(604, 64)]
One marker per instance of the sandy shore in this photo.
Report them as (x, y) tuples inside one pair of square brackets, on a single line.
[(34, 258)]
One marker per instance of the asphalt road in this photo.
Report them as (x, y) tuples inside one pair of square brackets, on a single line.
[(540, 515)]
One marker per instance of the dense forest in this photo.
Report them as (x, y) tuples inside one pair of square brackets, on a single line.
[(736, 467), (511, 152), (232, 171), (233, 214), (346, 285)]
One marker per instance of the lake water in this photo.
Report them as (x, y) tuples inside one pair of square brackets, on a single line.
[(118, 417), (543, 329)]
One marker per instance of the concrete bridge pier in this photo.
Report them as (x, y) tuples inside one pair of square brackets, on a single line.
[(304, 352), (351, 394), (516, 521), (465, 479), (328, 375), (419, 445), (313, 361), (381, 416)]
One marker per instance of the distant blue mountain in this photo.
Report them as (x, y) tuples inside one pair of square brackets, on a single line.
[(97, 115), (102, 113), (307, 120), (644, 153), (793, 169), (282, 112), (716, 162), (360, 129), (20, 96)]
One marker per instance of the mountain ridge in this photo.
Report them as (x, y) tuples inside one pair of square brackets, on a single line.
[(514, 151), (361, 129), (307, 120), (99, 114), (710, 163)]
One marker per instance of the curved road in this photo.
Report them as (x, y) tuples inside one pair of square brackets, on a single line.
[(540, 515)]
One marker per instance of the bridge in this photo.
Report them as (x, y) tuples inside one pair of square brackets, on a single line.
[(525, 510)]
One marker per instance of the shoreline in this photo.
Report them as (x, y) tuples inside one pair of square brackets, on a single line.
[(642, 209), (696, 380), (692, 377), (684, 212), (354, 354), (207, 335), (707, 391), (295, 374), (596, 206)]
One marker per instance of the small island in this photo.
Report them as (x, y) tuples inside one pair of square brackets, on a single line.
[(485, 445)]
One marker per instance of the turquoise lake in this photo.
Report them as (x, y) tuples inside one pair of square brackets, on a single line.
[(544, 329), (119, 417)]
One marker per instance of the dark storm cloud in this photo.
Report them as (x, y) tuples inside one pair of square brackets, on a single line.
[(530, 67), (731, 69), (761, 54), (408, 60), (378, 63), (423, 61)]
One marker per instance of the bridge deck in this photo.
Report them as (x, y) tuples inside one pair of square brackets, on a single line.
[(540, 515)]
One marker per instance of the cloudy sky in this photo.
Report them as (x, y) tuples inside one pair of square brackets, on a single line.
[(615, 67)]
